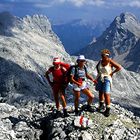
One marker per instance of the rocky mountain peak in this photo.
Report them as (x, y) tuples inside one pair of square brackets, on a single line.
[(127, 21), (39, 24), (125, 17), (36, 22), (26, 49), (120, 38)]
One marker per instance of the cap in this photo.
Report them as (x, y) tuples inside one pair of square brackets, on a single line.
[(56, 60), (81, 57)]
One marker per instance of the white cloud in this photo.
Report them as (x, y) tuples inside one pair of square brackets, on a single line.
[(80, 3), (89, 2), (97, 2), (42, 5), (126, 3), (61, 1), (135, 4), (77, 3), (108, 3), (45, 4)]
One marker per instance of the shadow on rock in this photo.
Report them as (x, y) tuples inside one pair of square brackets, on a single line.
[(18, 85)]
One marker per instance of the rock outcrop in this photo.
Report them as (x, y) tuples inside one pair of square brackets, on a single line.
[(39, 122)]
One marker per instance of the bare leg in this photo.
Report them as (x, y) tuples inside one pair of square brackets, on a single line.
[(107, 99), (76, 100), (101, 96), (56, 99), (89, 95), (62, 96), (56, 96)]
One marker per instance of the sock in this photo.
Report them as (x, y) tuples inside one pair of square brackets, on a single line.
[(108, 106)]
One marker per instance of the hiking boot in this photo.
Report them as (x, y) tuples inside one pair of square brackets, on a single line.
[(56, 113), (65, 113), (89, 108), (107, 112), (77, 112), (84, 108), (101, 107)]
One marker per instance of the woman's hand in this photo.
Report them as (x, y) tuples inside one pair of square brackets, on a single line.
[(94, 81), (79, 84), (111, 74)]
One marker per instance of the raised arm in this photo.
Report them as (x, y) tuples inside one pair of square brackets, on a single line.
[(116, 66)]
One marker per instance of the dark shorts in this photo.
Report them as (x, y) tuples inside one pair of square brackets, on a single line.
[(103, 86), (58, 88)]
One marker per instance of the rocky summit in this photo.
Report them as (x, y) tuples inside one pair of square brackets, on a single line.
[(39, 121)]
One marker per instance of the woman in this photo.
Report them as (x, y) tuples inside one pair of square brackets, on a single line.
[(58, 71), (104, 79), (78, 76)]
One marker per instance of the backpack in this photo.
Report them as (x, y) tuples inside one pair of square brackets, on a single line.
[(68, 73), (97, 66)]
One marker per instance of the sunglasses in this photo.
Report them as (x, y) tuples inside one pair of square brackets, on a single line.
[(105, 55)]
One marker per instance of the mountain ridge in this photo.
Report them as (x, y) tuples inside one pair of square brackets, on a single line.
[(120, 38), (26, 51)]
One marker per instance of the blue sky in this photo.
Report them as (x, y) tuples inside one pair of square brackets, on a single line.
[(67, 10)]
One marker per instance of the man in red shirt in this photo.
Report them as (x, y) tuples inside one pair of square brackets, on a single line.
[(58, 71)]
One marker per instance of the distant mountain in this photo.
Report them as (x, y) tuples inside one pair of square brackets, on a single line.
[(78, 33), (122, 37), (27, 47)]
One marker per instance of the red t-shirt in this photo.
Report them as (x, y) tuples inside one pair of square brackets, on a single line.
[(58, 74)]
